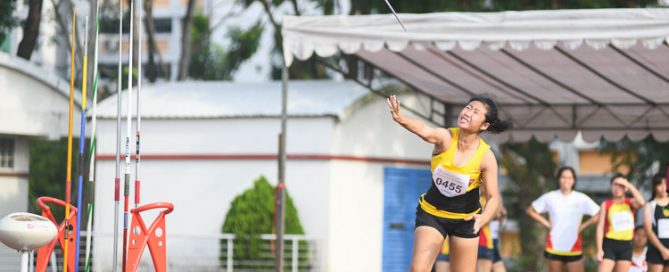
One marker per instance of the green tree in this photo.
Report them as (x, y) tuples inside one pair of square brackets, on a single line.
[(252, 214), (372, 7), (7, 19), (643, 159), (530, 168), (48, 167), (214, 62)]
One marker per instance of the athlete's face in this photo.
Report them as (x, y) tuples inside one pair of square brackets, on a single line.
[(472, 117), (566, 180), (617, 190), (640, 238)]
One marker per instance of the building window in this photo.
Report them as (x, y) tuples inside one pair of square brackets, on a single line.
[(163, 25), (6, 153)]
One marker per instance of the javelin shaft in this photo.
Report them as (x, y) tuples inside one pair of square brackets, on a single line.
[(394, 13), (139, 117), (117, 179), (82, 137), (126, 192), (68, 178), (91, 157)]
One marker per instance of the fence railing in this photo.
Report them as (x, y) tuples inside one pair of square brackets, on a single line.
[(215, 252)]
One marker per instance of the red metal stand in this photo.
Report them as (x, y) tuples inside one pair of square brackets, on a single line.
[(154, 236), (44, 253)]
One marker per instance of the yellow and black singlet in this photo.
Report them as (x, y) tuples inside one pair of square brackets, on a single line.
[(619, 224), (454, 193)]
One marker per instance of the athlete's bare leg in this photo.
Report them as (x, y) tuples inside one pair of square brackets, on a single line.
[(426, 245), (463, 252), (577, 266)]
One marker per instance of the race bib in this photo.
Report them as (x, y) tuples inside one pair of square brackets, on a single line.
[(663, 228), (622, 221), (450, 184)]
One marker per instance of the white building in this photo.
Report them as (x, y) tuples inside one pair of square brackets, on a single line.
[(33, 105), (203, 143)]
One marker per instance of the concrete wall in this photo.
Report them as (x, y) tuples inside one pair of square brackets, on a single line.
[(356, 188), (202, 189)]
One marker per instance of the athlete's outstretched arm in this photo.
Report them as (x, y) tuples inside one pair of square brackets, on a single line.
[(600, 233), (537, 217), (436, 136), (489, 172)]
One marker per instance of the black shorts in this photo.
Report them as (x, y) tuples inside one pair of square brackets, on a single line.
[(496, 257), (486, 253), (447, 227), (561, 258), (617, 250), (653, 256), (443, 258)]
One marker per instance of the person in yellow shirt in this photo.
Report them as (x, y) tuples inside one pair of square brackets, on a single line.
[(461, 163), (615, 228)]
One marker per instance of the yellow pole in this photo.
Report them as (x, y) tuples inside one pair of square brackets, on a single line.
[(68, 179)]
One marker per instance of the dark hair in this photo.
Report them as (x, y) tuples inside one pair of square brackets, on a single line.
[(496, 125), (615, 176), (655, 181), (559, 172)]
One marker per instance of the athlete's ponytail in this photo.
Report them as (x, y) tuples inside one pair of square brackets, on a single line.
[(496, 125)]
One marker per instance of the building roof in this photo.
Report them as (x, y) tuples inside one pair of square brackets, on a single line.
[(225, 99), (40, 74), (553, 72)]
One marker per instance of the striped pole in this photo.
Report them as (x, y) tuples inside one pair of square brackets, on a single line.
[(117, 179), (68, 177), (91, 157), (139, 117), (82, 137), (126, 192)]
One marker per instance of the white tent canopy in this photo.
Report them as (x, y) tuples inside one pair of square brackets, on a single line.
[(603, 72)]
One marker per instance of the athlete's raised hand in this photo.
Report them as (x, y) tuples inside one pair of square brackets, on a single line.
[(394, 106)]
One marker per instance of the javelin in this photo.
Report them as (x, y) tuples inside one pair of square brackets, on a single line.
[(91, 160), (398, 18), (68, 178), (126, 191), (117, 178), (82, 136)]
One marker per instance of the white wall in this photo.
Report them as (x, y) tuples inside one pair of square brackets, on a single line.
[(202, 190), (14, 197), (31, 107), (356, 188)]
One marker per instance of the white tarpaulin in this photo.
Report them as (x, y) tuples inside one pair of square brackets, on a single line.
[(604, 72)]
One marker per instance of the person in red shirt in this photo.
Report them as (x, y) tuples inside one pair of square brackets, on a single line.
[(615, 228)]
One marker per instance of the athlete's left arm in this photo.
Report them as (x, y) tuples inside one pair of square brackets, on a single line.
[(591, 221), (637, 200), (489, 174)]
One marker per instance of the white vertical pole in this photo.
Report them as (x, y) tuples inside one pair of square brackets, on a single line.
[(295, 254), (229, 258)]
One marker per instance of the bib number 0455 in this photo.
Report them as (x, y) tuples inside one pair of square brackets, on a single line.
[(450, 184)]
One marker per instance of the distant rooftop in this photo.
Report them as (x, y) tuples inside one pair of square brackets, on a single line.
[(225, 99)]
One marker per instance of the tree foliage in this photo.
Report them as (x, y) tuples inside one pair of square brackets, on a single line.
[(644, 158), (530, 168), (252, 214), (372, 7), (215, 62), (7, 19), (48, 167)]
